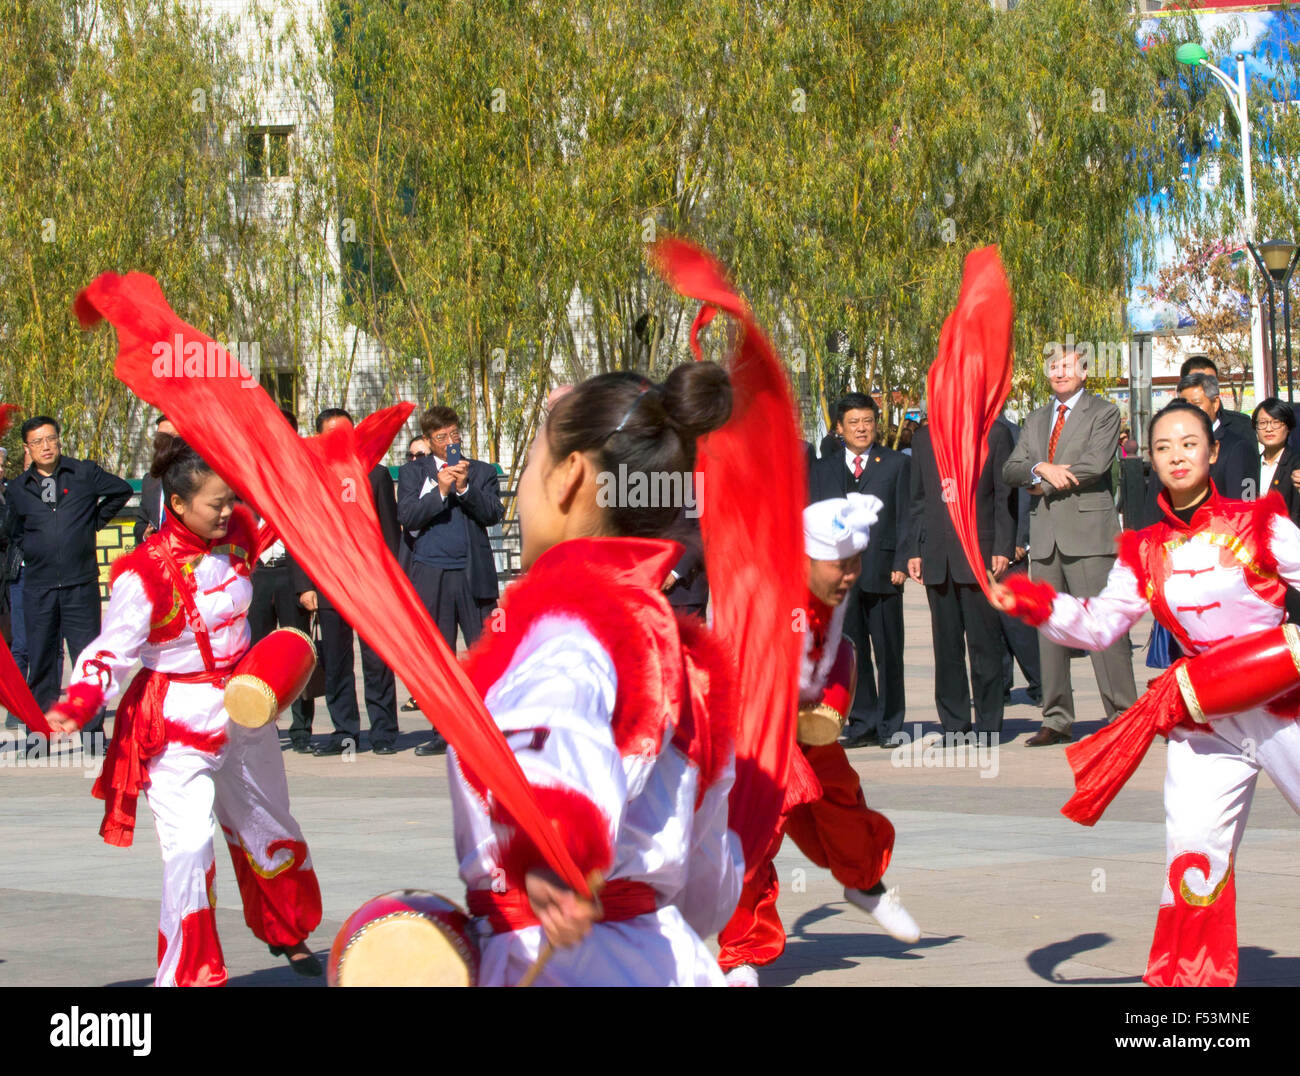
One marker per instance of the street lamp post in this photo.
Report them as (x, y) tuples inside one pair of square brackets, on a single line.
[(1286, 309), (1194, 55), (1274, 259)]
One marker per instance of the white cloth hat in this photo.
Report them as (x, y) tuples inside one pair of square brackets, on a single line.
[(839, 527)]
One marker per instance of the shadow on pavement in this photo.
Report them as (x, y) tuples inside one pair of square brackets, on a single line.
[(1043, 962), (1263, 967), (835, 952), (277, 974)]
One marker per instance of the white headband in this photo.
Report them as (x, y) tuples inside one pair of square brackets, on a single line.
[(839, 527)]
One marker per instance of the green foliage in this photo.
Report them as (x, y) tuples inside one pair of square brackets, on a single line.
[(121, 140), (479, 183), (842, 159)]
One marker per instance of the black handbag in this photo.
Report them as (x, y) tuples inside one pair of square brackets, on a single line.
[(315, 688)]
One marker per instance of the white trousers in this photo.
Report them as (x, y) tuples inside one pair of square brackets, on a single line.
[(244, 785), (1209, 785)]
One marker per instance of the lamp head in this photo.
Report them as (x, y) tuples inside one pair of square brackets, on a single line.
[(1191, 52), (1277, 256)]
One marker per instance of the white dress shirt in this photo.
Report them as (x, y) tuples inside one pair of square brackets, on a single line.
[(1069, 405)]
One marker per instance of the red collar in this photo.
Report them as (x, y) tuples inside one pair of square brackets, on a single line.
[(183, 544), (1206, 510), (634, 562)]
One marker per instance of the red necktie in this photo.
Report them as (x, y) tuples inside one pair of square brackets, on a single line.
[(1056, 432), (857, 466)]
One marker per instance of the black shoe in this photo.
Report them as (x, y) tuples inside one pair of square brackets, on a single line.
[(304, 965), (436, 746), (334, 746), (384, 748), (410, 706), (302, 747), (860, 739)]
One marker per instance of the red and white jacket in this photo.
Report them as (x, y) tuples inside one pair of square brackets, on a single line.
[(620, 715), (1220, 576), (821, 644), (176, 697), (146, 619)]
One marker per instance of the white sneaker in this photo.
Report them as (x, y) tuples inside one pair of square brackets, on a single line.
[(887, 910), (744, 975)]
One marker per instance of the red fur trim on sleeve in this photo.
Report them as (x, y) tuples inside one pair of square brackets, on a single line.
[(1033, 600), (81, 703), (1261, 525), (157, 584), (1129, 553), (582, 827)]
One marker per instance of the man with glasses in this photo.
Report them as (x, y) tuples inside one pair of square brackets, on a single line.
[(448, 502), (55, 508), (874, 615)]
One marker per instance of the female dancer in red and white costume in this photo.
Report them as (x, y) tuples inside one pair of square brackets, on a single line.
[(179, 605), (832, 825), (617, 711), (1212, 571)]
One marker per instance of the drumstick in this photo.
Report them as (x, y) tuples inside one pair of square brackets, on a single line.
[(594, 882)]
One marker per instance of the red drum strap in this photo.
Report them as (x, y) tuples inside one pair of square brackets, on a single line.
[(619, 901)]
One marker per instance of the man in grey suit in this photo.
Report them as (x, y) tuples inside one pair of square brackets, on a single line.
[(1064, 457)]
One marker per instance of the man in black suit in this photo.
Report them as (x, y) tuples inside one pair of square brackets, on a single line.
[(686, 585), (1021, 640), (957, 604), (874, 615), (151, 511), (56, 506), (1238, 422), (1236, 472), (449, 506), (275, 604), (336, 637)]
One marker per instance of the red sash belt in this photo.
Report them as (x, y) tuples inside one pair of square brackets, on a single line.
[(620, 900), (139, 733)]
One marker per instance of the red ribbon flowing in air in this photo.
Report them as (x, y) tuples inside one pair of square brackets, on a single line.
[(966, 388), (753, 545), (315, 493)]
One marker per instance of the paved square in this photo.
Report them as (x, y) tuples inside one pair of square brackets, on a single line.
[(1006, 890)]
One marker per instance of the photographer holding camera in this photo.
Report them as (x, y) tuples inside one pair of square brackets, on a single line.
[(448, 502)]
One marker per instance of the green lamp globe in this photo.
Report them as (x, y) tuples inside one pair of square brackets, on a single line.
[(1191, 53)]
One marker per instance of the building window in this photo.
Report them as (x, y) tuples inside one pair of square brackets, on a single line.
[(282, 387), (266, 152)]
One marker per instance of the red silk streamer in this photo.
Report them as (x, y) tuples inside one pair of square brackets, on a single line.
[(316, 495), (16, 696), (966, 388), (7, 411), (753, 546)]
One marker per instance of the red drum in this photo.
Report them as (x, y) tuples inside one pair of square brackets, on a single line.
[(822, 722), (269, 677), (404, 938)]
